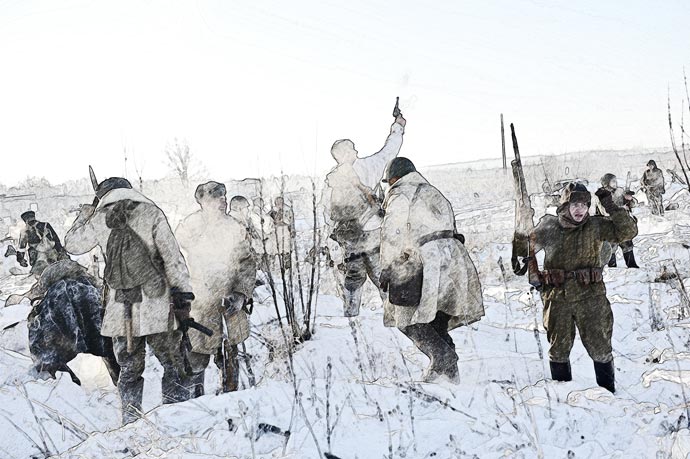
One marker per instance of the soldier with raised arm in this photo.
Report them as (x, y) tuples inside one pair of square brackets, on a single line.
[(352, 211)]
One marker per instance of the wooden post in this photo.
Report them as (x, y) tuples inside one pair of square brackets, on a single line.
[(503, 146)]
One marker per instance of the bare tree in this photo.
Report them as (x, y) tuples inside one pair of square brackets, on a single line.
[(179, 159)]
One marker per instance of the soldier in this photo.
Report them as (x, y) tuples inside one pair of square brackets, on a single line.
[(654, 187), (621, 198), (433, 286), (573, 290), (223, 272), (41, 242), (145, 271), (351, 211), (283, 220)]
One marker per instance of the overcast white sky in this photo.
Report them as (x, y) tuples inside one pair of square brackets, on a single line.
[(259, 86)]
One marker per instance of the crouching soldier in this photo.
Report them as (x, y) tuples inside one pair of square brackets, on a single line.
[(573, 290), (432, 284), (41, 242), (621, 198), (144, 272), (223, 272)]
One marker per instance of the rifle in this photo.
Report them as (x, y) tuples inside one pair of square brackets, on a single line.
[(524, 213), (396, 109)]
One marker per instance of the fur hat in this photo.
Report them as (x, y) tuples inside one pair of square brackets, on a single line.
[(576, 192), (209, 188), (110, 184), (28, 216)]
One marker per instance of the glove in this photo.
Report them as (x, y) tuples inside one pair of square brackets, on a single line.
[(606, 200), (234, 302), (385, 280), (182, 304)]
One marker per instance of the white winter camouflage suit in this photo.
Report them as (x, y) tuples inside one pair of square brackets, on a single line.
[(153, 322), (343, 200), (218, 251), (451, 294)]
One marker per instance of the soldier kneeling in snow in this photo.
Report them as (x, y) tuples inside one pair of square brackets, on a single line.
[(66, 320), (573, 289), (432, 284), (223, 271)]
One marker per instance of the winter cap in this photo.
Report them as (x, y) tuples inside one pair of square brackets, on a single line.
[(606, 179), (577, 192), (398, 167), (213, 189), (238, 202), (110, 184), (651, 162), (28, 216)]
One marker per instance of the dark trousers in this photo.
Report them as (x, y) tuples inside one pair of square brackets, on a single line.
[(166, 347), (434, 341)]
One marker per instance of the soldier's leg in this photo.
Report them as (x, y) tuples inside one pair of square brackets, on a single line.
[(355, 276), (628, 254), (372, 262), (595, 323), (166, 347), (198, 362), (130, 383), (560, 332), (443, 358)]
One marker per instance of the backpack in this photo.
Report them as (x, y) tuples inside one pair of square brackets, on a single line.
[(130, 267)]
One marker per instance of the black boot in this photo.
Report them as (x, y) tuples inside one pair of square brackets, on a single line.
[(560, 371), (612, 261), (630, 260), (605, 373)]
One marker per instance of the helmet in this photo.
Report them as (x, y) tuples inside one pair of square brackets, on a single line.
[(398, 167), (110, 184), (606, 179)]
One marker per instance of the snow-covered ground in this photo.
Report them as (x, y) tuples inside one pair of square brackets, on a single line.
[(357, 392)]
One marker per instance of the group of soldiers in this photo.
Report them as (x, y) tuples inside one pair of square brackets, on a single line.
[(192, 288)]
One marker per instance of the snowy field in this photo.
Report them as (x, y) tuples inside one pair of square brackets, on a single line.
[(357, 391)]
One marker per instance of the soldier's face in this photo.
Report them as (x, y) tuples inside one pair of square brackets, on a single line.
[(578, 210), (613, 183)]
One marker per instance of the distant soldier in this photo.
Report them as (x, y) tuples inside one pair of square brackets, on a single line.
[(352, 211), (283, 220), (432, 284), (573, 289), (621, 198), (41, 242), (223, 272), (145, 272), (654, 187)]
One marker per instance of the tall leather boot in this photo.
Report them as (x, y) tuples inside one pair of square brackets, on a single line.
[(612, 261), (560, 371), (605, 373), (630, 259)]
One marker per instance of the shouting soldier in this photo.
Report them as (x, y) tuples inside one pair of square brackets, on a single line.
[(432, 284), (352, 212), (573, 289), (145, 271)]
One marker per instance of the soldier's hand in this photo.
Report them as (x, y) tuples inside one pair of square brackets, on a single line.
[(182, 304), (384, 280), (606, 199), (401, 120)]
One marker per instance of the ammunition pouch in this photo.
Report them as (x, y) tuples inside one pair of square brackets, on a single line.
[(557, 277)]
